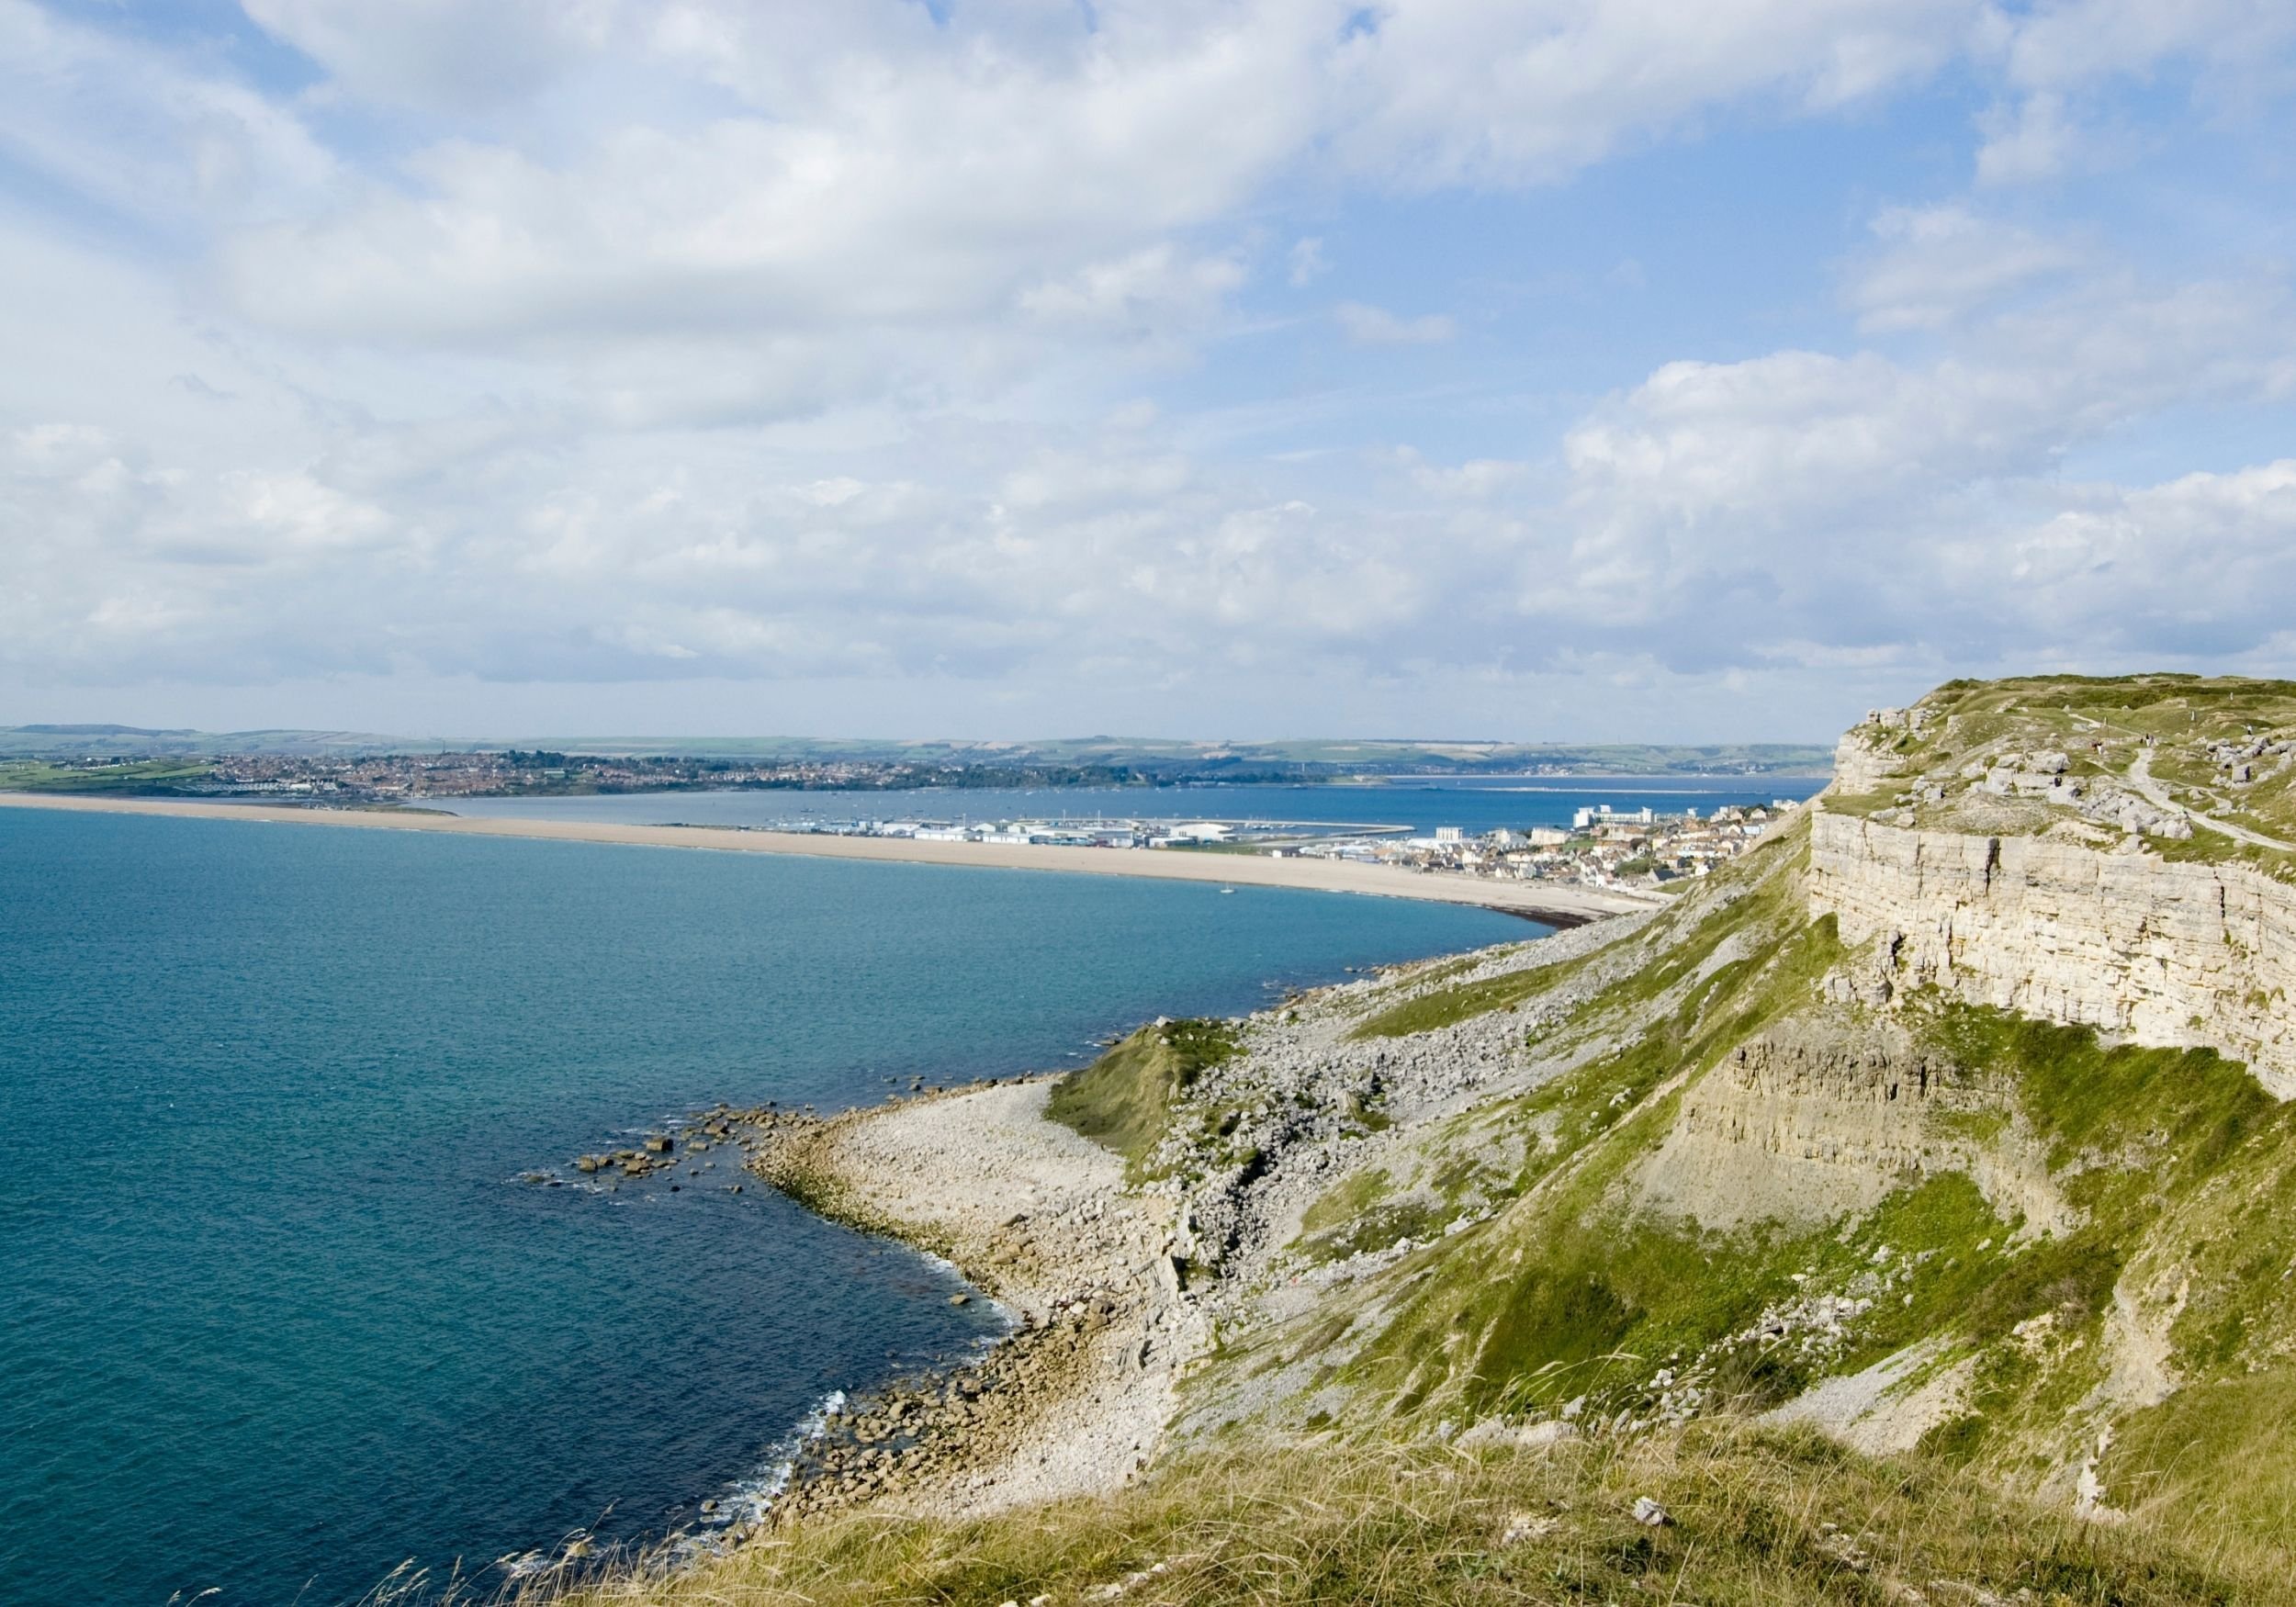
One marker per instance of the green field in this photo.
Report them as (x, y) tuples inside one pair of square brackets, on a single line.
[(152, 776)]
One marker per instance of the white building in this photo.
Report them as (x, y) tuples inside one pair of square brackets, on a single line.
[(1202, 831)]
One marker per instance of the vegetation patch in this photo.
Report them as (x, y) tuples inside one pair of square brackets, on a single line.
[(1123, 1100), (1350, 1199), (162, 776), (1379, 1227), (1447, 1007), (2219, 1452), (1784, 1521)]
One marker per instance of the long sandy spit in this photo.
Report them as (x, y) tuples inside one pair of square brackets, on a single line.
[(1560, 905)]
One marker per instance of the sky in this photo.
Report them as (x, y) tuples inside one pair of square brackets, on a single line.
[(1512, 369)]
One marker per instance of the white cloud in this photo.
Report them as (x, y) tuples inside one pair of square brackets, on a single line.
[(130, 128), (2198, 564), (1462, 91), (1936, 264), (1477, 480), (1137, 293), (1375, 326), (441, 55), (2032, 139), (2061, 51), (1308, 263), (1860, 503), (615, 344)]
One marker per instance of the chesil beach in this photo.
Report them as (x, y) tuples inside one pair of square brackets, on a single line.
[(1561, 904)]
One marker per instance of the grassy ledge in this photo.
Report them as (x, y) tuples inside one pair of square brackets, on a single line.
[(1123, 1100)]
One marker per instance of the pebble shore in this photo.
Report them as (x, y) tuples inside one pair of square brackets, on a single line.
[(1038, 1218), (1092, 1274)]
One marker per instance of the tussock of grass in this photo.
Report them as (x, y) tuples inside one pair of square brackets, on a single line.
[(1123, 1100), (1350, 1199), (2218, 1455), (1748, 1518)]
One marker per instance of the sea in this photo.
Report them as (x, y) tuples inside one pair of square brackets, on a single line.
[(300, 1287)]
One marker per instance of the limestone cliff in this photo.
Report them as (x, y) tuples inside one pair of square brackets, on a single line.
[(2155, 952)]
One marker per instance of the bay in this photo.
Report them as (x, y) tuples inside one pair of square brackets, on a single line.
[(281, 1313)]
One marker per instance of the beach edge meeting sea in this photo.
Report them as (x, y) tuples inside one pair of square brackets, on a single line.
[(1003, 1182), (1555, 903)]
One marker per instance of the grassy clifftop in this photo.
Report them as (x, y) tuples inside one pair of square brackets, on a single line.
[(2204, 768), (1727, 1518)]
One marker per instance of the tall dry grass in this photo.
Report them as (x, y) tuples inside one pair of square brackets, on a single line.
[(1748, 1519)]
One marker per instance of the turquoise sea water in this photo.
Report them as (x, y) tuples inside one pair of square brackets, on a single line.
[(280, 1313)]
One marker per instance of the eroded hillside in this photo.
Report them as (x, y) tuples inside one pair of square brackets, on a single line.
[(1946, 1120)]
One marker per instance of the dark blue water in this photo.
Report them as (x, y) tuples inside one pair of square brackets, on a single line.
[(1476, 805), (280, 1313)]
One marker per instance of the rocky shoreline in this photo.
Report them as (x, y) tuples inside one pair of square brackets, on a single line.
[(1091, 1272), (1036, 1217), (1071, 1399)]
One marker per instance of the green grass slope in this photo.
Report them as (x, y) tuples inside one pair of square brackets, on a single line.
[(1124, 1099), (1741, 1520)]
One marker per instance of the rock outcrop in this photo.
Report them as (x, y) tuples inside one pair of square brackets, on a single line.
[(1819, 1118), (1864, 760), (2161, 953)]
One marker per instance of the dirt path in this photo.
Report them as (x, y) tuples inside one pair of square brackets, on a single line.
[(2140, 777)]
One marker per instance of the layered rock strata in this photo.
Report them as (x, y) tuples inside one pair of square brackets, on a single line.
[(2161, 953)]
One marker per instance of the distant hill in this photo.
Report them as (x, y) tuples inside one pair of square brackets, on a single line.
[(143, 742), (1306, 758)]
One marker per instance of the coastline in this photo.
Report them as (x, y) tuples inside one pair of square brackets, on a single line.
[(1075, 1398), (1558, 904), (1117, 1287)]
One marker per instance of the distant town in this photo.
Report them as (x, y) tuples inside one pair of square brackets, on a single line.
[(416, 778), (1601, 848)]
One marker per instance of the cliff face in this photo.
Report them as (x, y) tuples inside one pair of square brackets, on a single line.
[(2160, 953), (1819, 1118)]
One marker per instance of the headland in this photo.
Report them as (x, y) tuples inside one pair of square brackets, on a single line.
[(1850, 1228)]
